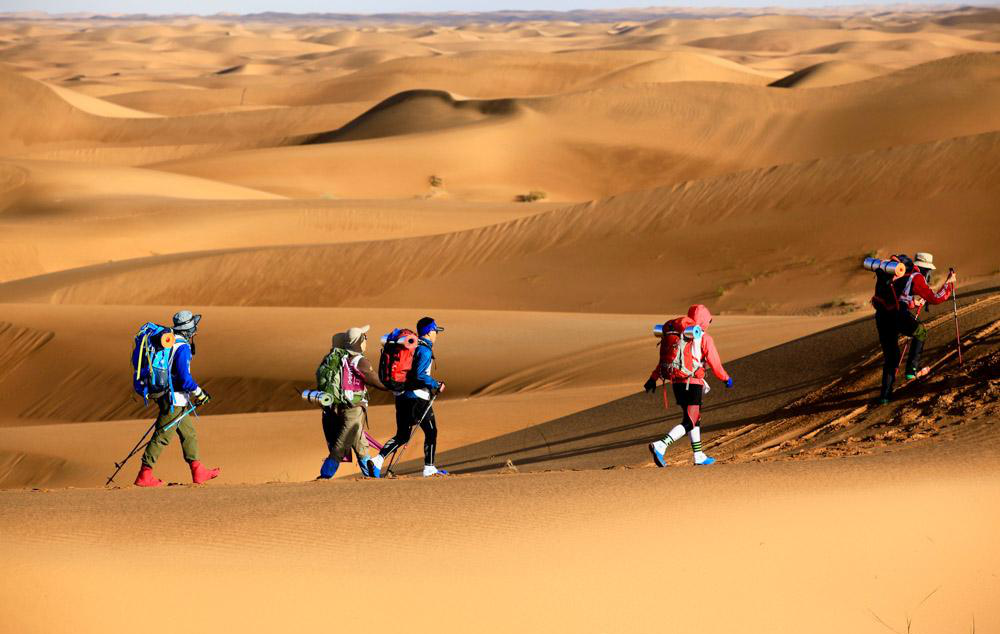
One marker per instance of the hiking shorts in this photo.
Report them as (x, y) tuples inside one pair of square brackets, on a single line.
[(688, 394)]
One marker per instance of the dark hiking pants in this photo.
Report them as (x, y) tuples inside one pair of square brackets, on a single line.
[(409, 411), (890, 325)]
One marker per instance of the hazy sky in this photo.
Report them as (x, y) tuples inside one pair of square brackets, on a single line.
[(380, 6)]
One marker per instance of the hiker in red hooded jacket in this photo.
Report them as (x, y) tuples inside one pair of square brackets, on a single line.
[(685, 350)]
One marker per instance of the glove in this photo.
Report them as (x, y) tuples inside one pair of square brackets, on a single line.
[(650, 385), (200, 397), (729, 382)]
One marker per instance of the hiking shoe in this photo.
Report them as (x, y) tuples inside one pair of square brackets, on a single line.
[(704, 463), (367, 467), (373, 471), (430, 471), (912, 374), (657, 454), (328, 469), (201, 474), (146, 478)]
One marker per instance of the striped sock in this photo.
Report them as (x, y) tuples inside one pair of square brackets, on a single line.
[(696, 440), (675, 434)]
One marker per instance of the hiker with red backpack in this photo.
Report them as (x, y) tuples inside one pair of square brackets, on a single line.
[(901, 285), (685, 350), (345, 374), (163, 373), (405, 367)]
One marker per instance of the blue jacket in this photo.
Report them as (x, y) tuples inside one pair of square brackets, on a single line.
[(420, 377), (181, 371)]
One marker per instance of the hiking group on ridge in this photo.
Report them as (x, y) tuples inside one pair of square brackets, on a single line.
[(162, 360)]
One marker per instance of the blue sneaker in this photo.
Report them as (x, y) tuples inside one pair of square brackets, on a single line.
[(657, 456), (373, 471), (704, 463), (364, 466), (328, 469)]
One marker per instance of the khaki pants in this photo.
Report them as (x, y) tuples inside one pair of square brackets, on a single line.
[(344, 431), (161, 438)]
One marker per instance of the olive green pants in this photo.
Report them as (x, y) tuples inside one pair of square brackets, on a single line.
[(344, 430), (165, 432)]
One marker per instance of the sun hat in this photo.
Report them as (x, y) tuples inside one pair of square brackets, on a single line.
[(186, 321), (355, 334), (924, 261)]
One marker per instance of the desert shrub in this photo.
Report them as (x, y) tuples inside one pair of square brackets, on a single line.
[(531, 196), (435, 181)]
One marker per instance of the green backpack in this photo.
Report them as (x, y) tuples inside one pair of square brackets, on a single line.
[(338, 378)]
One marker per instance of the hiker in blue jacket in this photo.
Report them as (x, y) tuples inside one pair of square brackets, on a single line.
[(414, 406), (176, 406)]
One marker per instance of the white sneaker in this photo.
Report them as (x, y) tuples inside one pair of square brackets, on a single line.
[(378, 460), (700, 459), (430, 470)]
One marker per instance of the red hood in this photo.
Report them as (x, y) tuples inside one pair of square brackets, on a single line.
[(701, 315)]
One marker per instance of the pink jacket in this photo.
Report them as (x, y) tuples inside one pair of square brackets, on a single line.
[(700, 315)]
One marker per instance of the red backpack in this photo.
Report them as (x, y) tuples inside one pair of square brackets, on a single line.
[(396, 360), (680, 349)]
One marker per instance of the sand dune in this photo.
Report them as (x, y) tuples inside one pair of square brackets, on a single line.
[(42, 233), (682, 66), (99, 107), (38, 121), (533, 263), (658, 134), (828, 74)]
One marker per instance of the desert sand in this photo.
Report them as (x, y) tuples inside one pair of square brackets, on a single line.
[(548, 187)]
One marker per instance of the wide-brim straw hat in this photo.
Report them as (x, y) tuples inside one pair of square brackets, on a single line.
[(924, 261)]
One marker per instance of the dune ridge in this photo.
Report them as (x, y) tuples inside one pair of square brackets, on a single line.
[(932, 172)]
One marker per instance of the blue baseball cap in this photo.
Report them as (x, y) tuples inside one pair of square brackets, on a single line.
[(426, 325)]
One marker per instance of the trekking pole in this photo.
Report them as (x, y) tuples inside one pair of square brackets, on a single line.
[(120, 465), (958, 334), (398, 453)]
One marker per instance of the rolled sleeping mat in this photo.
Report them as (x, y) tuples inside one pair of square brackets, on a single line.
[(167, 340), (885, 266), (318, 397), (410, 341)]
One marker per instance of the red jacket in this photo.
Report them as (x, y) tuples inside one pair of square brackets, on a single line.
[(906, 288), (697, 315)]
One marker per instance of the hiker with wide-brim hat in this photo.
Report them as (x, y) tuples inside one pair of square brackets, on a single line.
[(414, 406), (896, 295), (346, 374), (176, 406)]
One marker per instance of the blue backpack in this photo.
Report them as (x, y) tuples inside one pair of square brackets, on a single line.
[(152, 361)]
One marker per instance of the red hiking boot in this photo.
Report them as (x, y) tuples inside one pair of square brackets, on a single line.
[(200, 473), (146, 478)]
